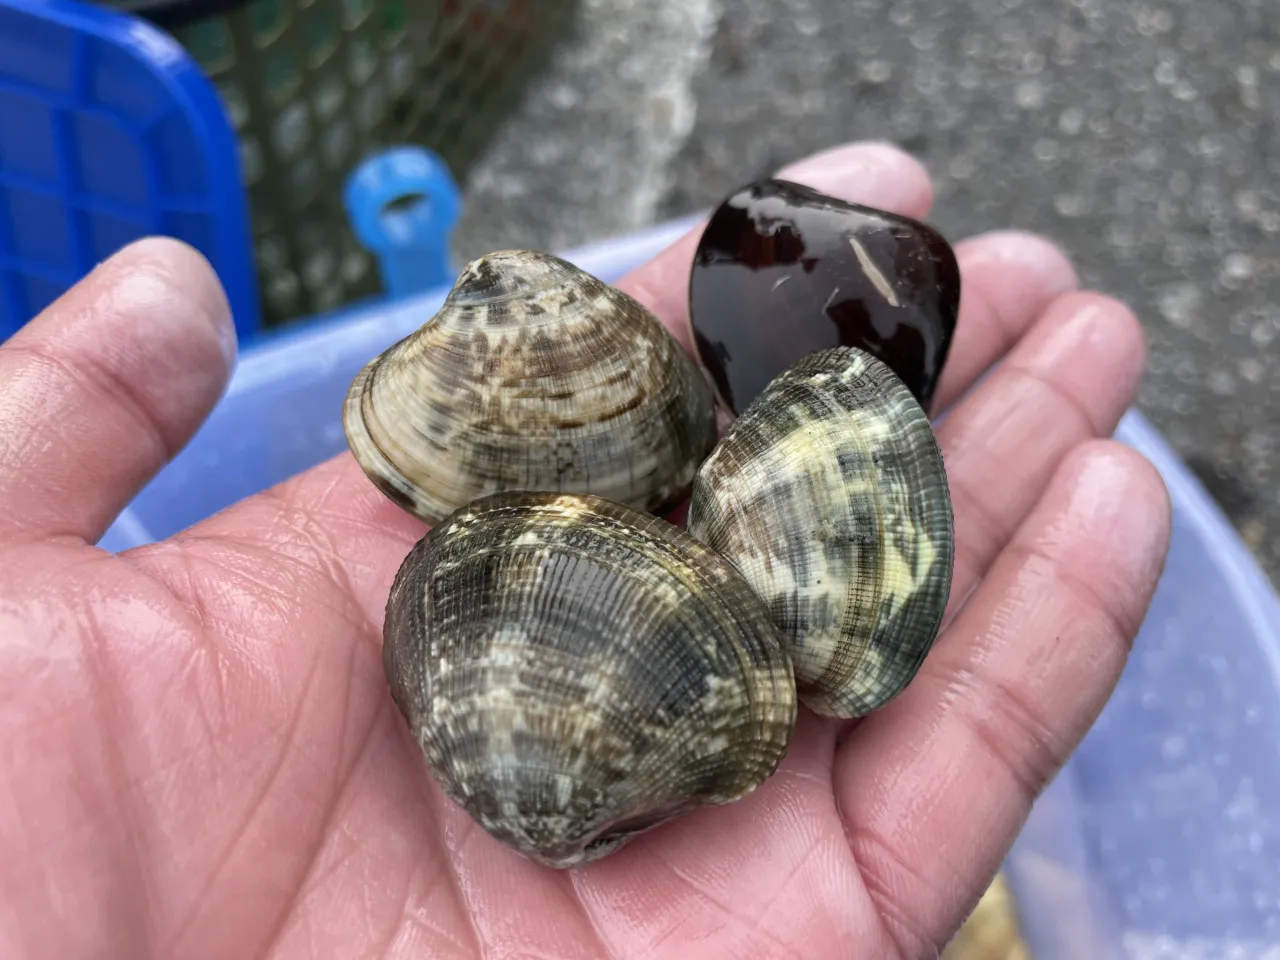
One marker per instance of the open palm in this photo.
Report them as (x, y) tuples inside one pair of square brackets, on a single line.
[(199, 757)]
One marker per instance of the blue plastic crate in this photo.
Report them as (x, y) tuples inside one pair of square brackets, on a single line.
[(109, 132), (1163, 830)]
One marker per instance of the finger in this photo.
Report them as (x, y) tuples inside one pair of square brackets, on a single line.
[(876, 174), (1071, 378), (1007, 279), (935, 788), (106, 385)]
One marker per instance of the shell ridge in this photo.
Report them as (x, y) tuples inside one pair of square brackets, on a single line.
[(855, 661), (849, 463), (913, 452)]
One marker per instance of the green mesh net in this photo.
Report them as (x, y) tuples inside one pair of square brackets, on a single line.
[(311, 86)]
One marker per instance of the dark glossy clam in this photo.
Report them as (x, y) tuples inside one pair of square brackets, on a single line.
[(782, 271)]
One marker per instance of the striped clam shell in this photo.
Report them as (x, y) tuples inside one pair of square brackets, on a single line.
[(577, 672), (829, 494), (533, 375)]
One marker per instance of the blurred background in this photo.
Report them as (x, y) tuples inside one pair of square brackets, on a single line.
[(1144, 137)]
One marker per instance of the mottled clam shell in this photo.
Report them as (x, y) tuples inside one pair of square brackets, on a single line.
[(533, 375), (577, 672), (829, 495)]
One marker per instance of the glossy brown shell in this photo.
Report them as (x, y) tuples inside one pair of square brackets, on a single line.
[(577, 672), (829, 494), (533, 375)]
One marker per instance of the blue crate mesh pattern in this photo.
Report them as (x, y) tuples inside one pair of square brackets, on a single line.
[(108, 134)]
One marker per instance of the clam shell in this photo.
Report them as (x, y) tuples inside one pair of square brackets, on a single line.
[(577, 672), (830, 496), (533, 375)]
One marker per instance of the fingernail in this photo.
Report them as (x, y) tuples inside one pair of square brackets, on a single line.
[(1097, 330), (1082, 334), (1116, 498), (1023, 251), (872, 173)]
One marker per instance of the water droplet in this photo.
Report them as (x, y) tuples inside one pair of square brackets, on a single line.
[(291, 129), (251, 159), (1236, 266), (1069, 204), (1173, 748), (272, 253), (1251, 369), (969, 77), (563, 96), (547, 153), (318, 269), (961, 167), (1222, 383), (282, 290), (1247, 203), (236, 105), (877, 71), (354, 266), (1209, 146), (1029, 94), (1046, 150), (1179, 303)]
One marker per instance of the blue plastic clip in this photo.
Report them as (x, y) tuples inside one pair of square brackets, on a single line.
[(403, 204)]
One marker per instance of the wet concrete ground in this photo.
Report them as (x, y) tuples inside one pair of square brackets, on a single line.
[(1143, 137)]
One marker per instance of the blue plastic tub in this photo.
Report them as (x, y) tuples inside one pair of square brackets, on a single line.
[(1160, 838)]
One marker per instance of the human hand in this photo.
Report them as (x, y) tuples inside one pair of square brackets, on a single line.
[(201, 758)]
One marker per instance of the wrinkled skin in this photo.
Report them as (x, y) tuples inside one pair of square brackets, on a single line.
[(200, 758)]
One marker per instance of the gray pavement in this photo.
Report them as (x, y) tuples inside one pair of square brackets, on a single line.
[(1143, 137)]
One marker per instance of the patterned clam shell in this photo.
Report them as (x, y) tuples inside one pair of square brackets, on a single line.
[(830, 496), (577, 672), (533, 375)]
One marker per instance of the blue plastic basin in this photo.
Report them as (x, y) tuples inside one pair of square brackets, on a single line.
[(1160, 838)]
